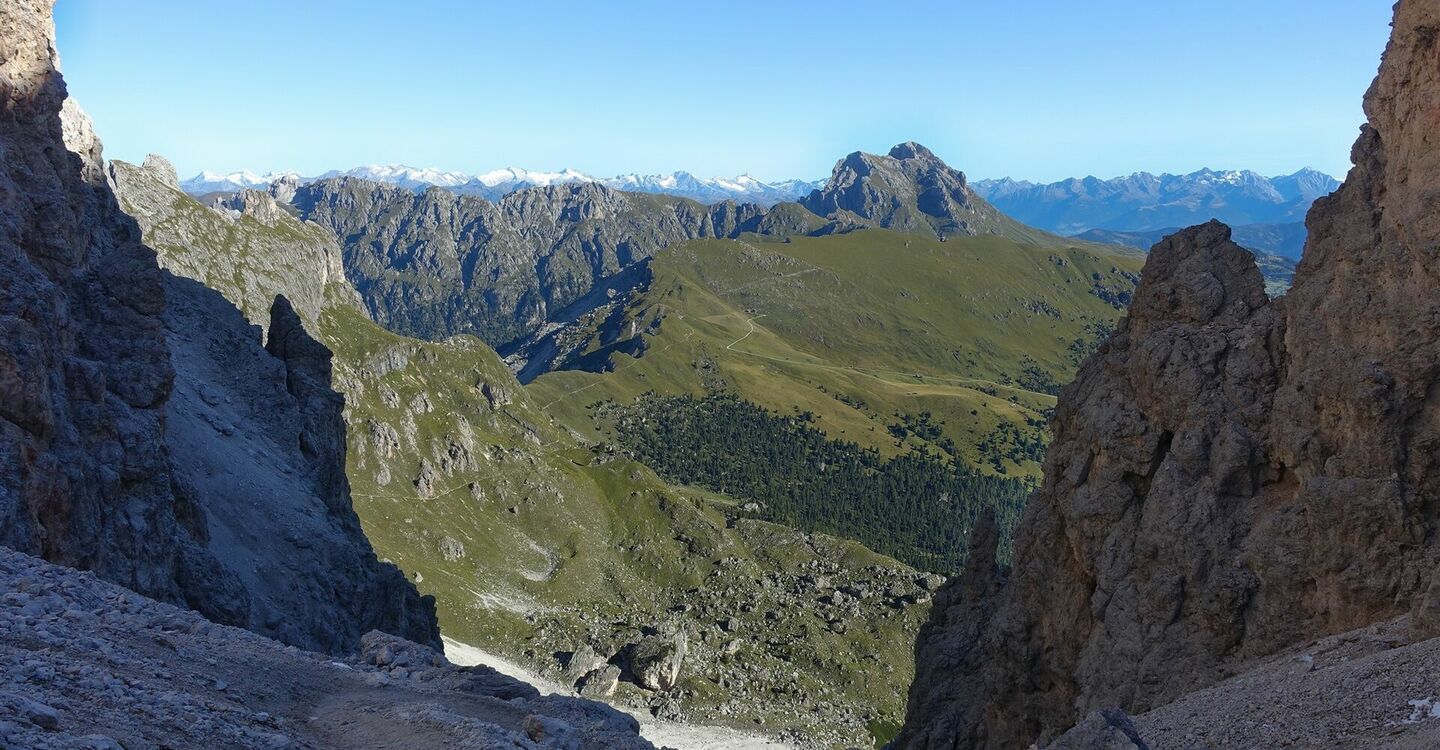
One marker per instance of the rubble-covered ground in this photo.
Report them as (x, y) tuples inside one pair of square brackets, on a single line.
[(87, 664)]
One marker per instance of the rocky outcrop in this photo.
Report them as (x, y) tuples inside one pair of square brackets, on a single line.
[(145, 433), (1230, 476)]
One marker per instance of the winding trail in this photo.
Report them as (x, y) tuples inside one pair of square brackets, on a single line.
[(751, 321)]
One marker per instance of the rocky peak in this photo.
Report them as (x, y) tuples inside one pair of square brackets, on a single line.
[(1230, 477), (1197, 277), (161, 169), (908, 189), (912, 150), (284, 189), (254, 203)]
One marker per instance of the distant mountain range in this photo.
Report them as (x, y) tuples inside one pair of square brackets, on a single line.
[(1284, 240), (1272, 207), (497, 184), (1144, 202)]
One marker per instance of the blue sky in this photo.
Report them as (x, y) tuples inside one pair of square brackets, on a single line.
[(1038, 89)]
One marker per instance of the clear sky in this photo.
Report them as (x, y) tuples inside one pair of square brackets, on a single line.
[(1038, 89)]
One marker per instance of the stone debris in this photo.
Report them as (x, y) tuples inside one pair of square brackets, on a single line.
[(87, 664)]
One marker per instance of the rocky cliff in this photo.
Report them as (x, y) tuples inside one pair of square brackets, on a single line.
[(1230, 476), (145, 433)]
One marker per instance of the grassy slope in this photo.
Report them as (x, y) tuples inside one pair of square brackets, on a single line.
[(896, 322)]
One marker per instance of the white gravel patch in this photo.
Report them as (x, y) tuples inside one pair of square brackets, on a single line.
[(661, 733)]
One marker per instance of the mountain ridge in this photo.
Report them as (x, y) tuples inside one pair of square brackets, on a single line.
[(1143, 201)]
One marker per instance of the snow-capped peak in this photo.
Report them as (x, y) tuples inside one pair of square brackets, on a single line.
[(215, 182), (526, 178)]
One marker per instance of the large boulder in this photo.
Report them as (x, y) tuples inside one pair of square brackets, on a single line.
[(654, 662)]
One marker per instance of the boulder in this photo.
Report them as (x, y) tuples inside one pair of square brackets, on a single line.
[(582, 661), (655, 661), (600, 683)]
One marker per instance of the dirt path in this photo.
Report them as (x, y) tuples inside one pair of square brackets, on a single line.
[(748, 334)]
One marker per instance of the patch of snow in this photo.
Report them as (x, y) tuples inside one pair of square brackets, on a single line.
[(1422, 709)]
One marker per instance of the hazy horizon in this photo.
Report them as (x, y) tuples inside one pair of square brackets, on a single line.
[(1041, 93)]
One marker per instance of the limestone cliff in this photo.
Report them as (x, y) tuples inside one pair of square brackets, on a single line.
[(145, 432), (1229, 476)]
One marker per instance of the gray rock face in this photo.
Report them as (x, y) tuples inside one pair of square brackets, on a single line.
[(1107, 729), (1230, 476), (257, 440), (84, 373), (145, 434)]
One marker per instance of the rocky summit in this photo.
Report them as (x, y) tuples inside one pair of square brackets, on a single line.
[(1231, 477), (909, 189)]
